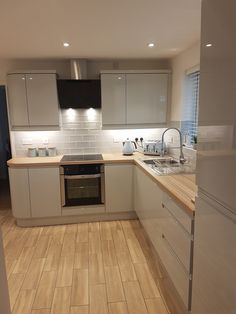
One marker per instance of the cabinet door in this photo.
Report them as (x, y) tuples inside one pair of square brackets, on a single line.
[(42, 99), (214, 274), (119, 188), (146, 98), (20, 198), (113, 99), (17, 100), (148, 198), (45, 192)]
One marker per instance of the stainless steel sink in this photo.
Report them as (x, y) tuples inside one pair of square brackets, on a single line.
[(167, 166)]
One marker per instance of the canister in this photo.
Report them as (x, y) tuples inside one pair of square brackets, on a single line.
[(42, 152), (32, 151), (52, 151)]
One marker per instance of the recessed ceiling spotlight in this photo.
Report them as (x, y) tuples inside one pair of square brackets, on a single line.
[(209, 45), (66, 44), (150, 45)]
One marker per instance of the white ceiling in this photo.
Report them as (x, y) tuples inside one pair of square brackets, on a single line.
[(97, 28)]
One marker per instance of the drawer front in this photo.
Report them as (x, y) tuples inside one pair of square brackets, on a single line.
[(177, 212), (176, 271), (179, 239)]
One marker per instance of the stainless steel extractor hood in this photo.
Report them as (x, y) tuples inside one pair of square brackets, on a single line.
[(78, 69)]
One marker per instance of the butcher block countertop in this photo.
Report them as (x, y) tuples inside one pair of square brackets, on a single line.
[(181, 187)]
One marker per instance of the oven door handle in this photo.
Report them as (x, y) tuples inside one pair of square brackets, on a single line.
[(82, 176)]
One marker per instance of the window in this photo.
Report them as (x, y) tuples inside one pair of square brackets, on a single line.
[(190, 109)]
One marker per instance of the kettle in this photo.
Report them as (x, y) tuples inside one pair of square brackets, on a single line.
[(128, 147)]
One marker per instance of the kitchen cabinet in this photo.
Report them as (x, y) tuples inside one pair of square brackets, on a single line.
[(214, 258), (170, 230), (20, 193), (118, 187), (131, 98), (113, 99), (35, 192), (32, 99), (146, 98), (147, 203), (45, 196)]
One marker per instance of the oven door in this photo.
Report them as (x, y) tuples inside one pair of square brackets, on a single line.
[(82, 189)]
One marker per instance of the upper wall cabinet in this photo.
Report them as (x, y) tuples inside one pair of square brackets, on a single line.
[(32, 99), (135, 98), (113, 99)]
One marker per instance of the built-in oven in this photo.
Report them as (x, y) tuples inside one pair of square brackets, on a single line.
[(82, 184)]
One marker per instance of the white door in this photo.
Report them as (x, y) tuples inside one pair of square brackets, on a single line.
[(20, 198), (45, 192), (119, 188), (42, 99), (113, 99), (146, 98), (17, 100)]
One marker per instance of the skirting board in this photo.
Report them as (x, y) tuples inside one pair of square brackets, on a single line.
[(48, 221)]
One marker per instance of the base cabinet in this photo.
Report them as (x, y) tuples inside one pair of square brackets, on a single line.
[(119, 188), (35, 192), (170, 230)]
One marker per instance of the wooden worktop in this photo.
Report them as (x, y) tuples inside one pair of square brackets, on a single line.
[(181, 187)]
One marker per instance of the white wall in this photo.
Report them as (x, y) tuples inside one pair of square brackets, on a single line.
[(63, 67), (7, 65), (182, 62), (95, 66), (80, 133)]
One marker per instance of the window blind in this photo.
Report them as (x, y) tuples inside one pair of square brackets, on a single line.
[(190, 109)]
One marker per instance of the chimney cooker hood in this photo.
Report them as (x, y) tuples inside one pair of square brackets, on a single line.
[(79, 92)]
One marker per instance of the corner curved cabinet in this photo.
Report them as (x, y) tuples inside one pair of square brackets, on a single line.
[(35, 192), (20, 193), (32, 100)]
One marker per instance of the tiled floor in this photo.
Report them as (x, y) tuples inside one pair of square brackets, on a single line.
[(94, 268)]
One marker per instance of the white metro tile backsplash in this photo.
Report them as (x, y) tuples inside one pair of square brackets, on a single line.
[(80, 133)]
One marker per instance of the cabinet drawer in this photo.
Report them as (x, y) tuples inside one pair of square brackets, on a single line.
[(177, 237), (177, 212), (176, 271)]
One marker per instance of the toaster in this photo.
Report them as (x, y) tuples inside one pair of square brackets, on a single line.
[(152, 148)]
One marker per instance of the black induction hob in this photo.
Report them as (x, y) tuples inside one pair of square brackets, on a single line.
[(89, 157)]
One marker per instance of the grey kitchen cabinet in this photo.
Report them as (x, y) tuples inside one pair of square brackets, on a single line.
[(170, 230), (35, 192), (20, 193), (119, 187), (113, 99), (32, 99), (134, 98), (146, 98)]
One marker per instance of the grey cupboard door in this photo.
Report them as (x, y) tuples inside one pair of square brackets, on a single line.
[(146, 98), (45, 192), (42, 99), (113, 99), (17, 100)]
